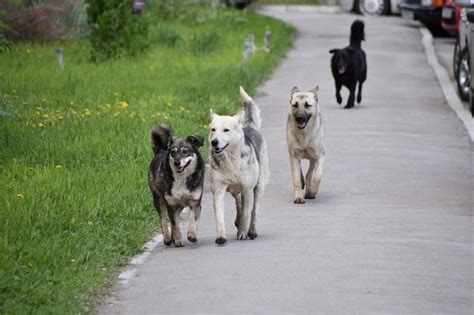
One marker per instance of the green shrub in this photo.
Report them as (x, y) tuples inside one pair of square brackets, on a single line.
[(116, 28)]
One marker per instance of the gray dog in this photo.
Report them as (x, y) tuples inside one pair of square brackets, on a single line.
[(304, 135)]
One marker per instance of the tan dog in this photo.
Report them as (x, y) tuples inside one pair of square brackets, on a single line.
[(304, 135)]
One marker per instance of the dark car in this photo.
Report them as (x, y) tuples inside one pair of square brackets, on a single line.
[(427, 12)]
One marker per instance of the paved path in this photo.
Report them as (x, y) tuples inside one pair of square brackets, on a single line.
[(391, 231)]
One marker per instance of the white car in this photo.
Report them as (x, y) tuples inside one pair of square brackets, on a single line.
[(372, 7)]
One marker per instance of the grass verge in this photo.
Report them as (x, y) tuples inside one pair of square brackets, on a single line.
[(74, 200)]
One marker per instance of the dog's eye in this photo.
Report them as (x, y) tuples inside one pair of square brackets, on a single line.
[(306, 105), (174, 150), (185, 151), (295, 105), (213, 129), (226, 130)]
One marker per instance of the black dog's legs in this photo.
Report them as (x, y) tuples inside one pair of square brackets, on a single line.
[(338, 92), (359, 93), (350, 101)]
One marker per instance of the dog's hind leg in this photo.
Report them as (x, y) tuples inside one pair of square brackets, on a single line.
[(258, 192), (161, 208), (173, 214), (313, 177), (194, 215), (245, 215), (359, 92), (238, 207), (298, 179)]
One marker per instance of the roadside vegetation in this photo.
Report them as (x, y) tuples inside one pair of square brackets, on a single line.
[(74, 147)]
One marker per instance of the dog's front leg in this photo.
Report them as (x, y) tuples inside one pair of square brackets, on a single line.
[(313, 177), (338, 92), (244, 219), (219, 214), (193, 221), (173, 214), (298, 181), (350, 100), (162, 207)]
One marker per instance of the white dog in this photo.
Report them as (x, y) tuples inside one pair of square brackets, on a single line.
[(239, 165), (304, 135)]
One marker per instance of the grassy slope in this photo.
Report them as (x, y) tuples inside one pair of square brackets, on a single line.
[(74, 200)]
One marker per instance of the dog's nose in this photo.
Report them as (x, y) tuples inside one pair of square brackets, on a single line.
[(177, 163), (215, 142)]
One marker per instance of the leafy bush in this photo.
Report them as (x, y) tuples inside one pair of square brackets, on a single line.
[(117, 28), (44, 20)]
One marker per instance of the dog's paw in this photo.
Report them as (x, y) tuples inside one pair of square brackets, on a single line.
[(192, 239), (178, 243), (167, 242), (359, 98), (309, 196), (299, 200), (339, 99), (241, 235), (349, 106), (221, 240), (252, 235)]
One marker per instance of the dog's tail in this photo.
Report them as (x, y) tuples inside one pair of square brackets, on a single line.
[(159, 137), (357, 33), (252, 112)]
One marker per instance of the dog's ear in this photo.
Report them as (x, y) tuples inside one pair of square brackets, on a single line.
[(212, 113), (332, 51), (315, 90), (196, 140), (294, 90)]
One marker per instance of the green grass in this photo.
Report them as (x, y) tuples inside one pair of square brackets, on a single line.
[(74, 199)]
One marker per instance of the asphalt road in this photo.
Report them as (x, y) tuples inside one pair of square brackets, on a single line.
[(391, 229)]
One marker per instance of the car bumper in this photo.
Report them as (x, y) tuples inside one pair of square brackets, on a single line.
[(428, 15)]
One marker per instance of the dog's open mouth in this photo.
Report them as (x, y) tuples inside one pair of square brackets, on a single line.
[(218, 150), (341, 70), (302, 122), (180, 169)]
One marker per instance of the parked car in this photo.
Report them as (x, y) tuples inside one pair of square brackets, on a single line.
[(463, 55), (373, 7), (450, 17), (427, 12)]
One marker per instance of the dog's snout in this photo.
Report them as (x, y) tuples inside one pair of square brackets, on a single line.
[(177, 163), (215, 142)]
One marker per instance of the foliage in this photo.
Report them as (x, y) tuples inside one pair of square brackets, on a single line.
[(74, 201), (44, 20), (116, 28)]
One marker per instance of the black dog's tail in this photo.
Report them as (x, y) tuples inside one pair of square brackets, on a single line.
[(159, 137), (357, 33)]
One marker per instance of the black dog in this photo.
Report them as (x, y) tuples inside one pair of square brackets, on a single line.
[(176, 177), (349, 65)]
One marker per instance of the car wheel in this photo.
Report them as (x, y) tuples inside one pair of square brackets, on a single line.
[(463, 77), (373, 7), (456, 58)]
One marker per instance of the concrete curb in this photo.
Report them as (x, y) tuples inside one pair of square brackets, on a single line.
[(445, 83)]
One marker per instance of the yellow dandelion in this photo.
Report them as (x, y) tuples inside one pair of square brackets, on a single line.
[(87, 112), (30, 264), (90, 222), (117, 114), (45, 115), (122, 105), (39, 108), (73, 260), (20, 195), (59, 166), (71, 102), (41, 125), (33, 125)]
